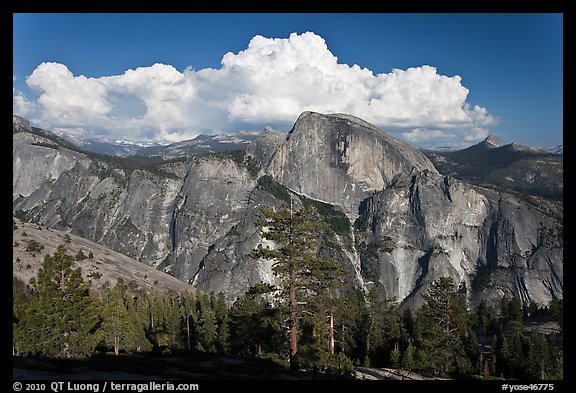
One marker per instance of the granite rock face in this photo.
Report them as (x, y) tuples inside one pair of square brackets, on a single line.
[(194, 217), (167, 217), (493, 244), (341, 159)]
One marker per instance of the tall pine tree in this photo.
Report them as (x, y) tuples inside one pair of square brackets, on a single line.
[(122, 327), (442, 323), (302, 272), (61, 319)]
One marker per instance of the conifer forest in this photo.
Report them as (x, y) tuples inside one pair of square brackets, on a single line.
[(308, 322)]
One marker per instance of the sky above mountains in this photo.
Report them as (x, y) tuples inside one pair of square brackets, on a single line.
[(431, 79)]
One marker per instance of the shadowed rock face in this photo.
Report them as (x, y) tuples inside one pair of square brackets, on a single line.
[(195, 217)]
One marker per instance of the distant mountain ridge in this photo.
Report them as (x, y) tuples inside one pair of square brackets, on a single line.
[(558, 149), (201, 144), (221, 143), (509, 166), (494, 141)]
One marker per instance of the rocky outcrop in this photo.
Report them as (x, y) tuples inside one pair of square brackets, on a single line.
[(102, 267), (491, 243), (212, 199), (340, 159), (167, 217), (400, 223), (492, 141)]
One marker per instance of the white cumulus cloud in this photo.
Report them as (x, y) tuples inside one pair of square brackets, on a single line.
[(269, 83)]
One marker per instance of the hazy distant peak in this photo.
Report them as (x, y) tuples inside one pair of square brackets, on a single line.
[(516, 147), (493, 141), (558, 149)]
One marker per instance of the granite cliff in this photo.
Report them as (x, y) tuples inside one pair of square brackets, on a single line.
[(397, 224)]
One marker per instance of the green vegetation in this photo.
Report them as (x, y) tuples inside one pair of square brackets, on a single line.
[(20, 215), (336, 220), (80, 255), (94, 274), (269, 185), (60, 318), (52, 137), (361, 223), (304, 275), (33, 246), (523, 171), (104, 166), (121, 327), (121, 168), (241, 158), (57, 316), (443, 332), (106, 163)]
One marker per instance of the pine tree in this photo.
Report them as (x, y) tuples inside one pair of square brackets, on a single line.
[(385, 330), (442, 323), (137, 318), (516, 358), (502, 353), (20, 291), (122, 326), (484, 316), (20, 297), (188, 305), (301, 271), (556, 308), (206, 324), (80, 255), (173, 318), (116, 324), (374, 340), (395, 356), (255, 325), (538, 356), (221, 314), (555, 367), (313, 344), (319, 312), (61, 318), (155, 310), (408, 359), (349, 315), (511, 346), (511, 314)]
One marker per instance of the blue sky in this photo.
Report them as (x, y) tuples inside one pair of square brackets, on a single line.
[(497, 74)]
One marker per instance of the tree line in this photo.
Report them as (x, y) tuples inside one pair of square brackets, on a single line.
[(308, 322)]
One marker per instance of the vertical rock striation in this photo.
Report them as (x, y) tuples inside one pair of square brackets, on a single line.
[(397, 224)]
